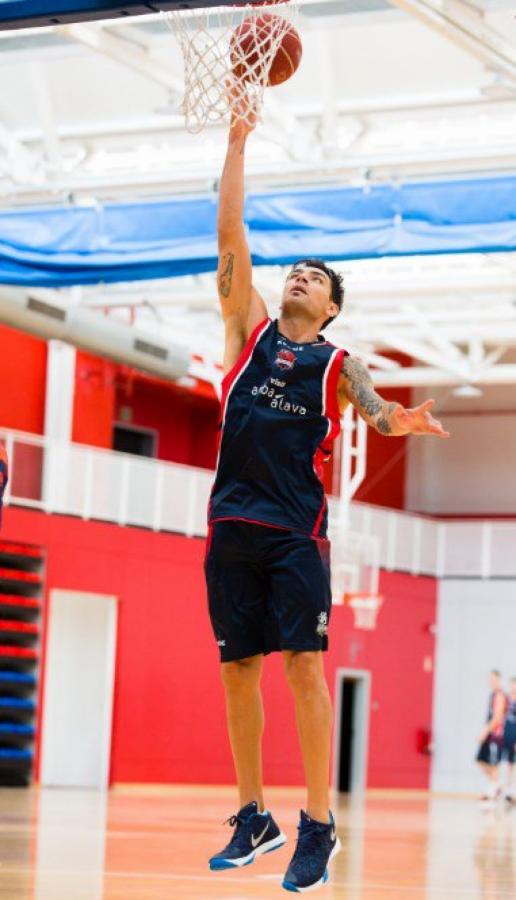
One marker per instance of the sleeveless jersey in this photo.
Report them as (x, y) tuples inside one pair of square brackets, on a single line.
[(4, 476), (497, 733), (279, 417), (510, 722)]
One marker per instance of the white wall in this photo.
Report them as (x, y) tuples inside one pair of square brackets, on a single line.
[(476, 632), (473, 471)]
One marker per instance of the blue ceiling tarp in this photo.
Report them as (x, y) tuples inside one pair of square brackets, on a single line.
[(59, 246)]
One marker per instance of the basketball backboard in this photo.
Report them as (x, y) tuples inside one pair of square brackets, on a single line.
[(34, 13)]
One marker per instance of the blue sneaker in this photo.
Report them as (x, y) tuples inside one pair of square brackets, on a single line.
[(317, 844), (255, 833)]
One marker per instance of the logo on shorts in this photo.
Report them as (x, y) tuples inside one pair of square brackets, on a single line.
[(285, 360), (322, 624), (221, 643)]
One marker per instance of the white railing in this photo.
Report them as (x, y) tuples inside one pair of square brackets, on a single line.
[(92, 483)]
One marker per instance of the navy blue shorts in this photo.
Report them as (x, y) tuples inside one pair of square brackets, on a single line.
[(490, 752), (509, 745), (268, 589)]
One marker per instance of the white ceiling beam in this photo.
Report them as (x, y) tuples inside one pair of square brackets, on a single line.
[(19, 165), (124, 52), (326, 43), (457, 21), (367, 107), (46, 114), (417, 350), (476, 354), (434, 336), (185, 178), (504, 333), (420, 376)]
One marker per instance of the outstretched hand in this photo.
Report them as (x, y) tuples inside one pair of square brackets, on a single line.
[(419, 420)]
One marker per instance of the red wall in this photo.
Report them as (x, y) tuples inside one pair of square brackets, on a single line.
[(169, 714), (386, 470), (185, 421), (94, 401), (23, 367)]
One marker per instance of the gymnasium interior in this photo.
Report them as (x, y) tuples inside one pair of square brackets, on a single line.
[(390, 153)]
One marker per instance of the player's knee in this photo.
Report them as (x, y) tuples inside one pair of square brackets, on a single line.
[(241, 674), (304, 672)]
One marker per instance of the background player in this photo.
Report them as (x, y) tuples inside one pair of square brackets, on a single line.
[(4, 475), (509, 740), (267, 564), (491, 737)]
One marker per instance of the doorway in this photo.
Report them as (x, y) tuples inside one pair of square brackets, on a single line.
[(78, 690), (352, 692), (139, 441)]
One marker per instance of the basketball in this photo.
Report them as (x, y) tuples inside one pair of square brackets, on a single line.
[(252, 40)]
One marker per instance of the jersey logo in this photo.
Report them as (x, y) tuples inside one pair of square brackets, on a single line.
[(285, 360)]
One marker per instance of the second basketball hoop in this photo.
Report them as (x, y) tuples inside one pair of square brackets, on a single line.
[(231, 54)]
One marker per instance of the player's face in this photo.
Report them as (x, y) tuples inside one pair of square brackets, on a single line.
[(308, 289), (513, 690), (494, 681)]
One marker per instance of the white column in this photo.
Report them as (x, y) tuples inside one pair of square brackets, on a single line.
[(60, 387), (59, 395)]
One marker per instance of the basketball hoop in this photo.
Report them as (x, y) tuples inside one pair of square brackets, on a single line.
[(229, 55), (365, 609)]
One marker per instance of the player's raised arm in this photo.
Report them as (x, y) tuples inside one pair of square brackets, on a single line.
[(356, 387), (240, 304)]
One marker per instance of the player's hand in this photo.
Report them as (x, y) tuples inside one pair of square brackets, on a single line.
[(419, 420)]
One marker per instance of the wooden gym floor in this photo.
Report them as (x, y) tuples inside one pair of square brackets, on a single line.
[(152, 843)]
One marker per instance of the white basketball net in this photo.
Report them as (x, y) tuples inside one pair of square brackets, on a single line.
[(365, 609), (225, 78)]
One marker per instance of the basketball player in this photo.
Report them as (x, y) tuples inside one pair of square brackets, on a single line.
[(509, 740), (4, 475), (491, 737), (267, 562)]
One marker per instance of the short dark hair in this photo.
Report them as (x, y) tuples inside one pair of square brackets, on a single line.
[(337, 283)]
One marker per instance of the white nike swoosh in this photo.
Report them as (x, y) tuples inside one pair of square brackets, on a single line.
[(333, 835), (256, 841)]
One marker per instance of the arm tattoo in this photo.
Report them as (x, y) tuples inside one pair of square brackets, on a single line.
[(226, 274), (383, 426), (364, 397)]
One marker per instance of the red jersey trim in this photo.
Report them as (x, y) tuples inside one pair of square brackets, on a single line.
[(231, 377), (330, 409)]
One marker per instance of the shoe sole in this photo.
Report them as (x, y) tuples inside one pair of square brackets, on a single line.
[(216, 865), (290, 886)]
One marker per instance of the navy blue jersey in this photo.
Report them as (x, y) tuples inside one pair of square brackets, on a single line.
[(279, 417), (4, 475), (510, 722), (497, 733)]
